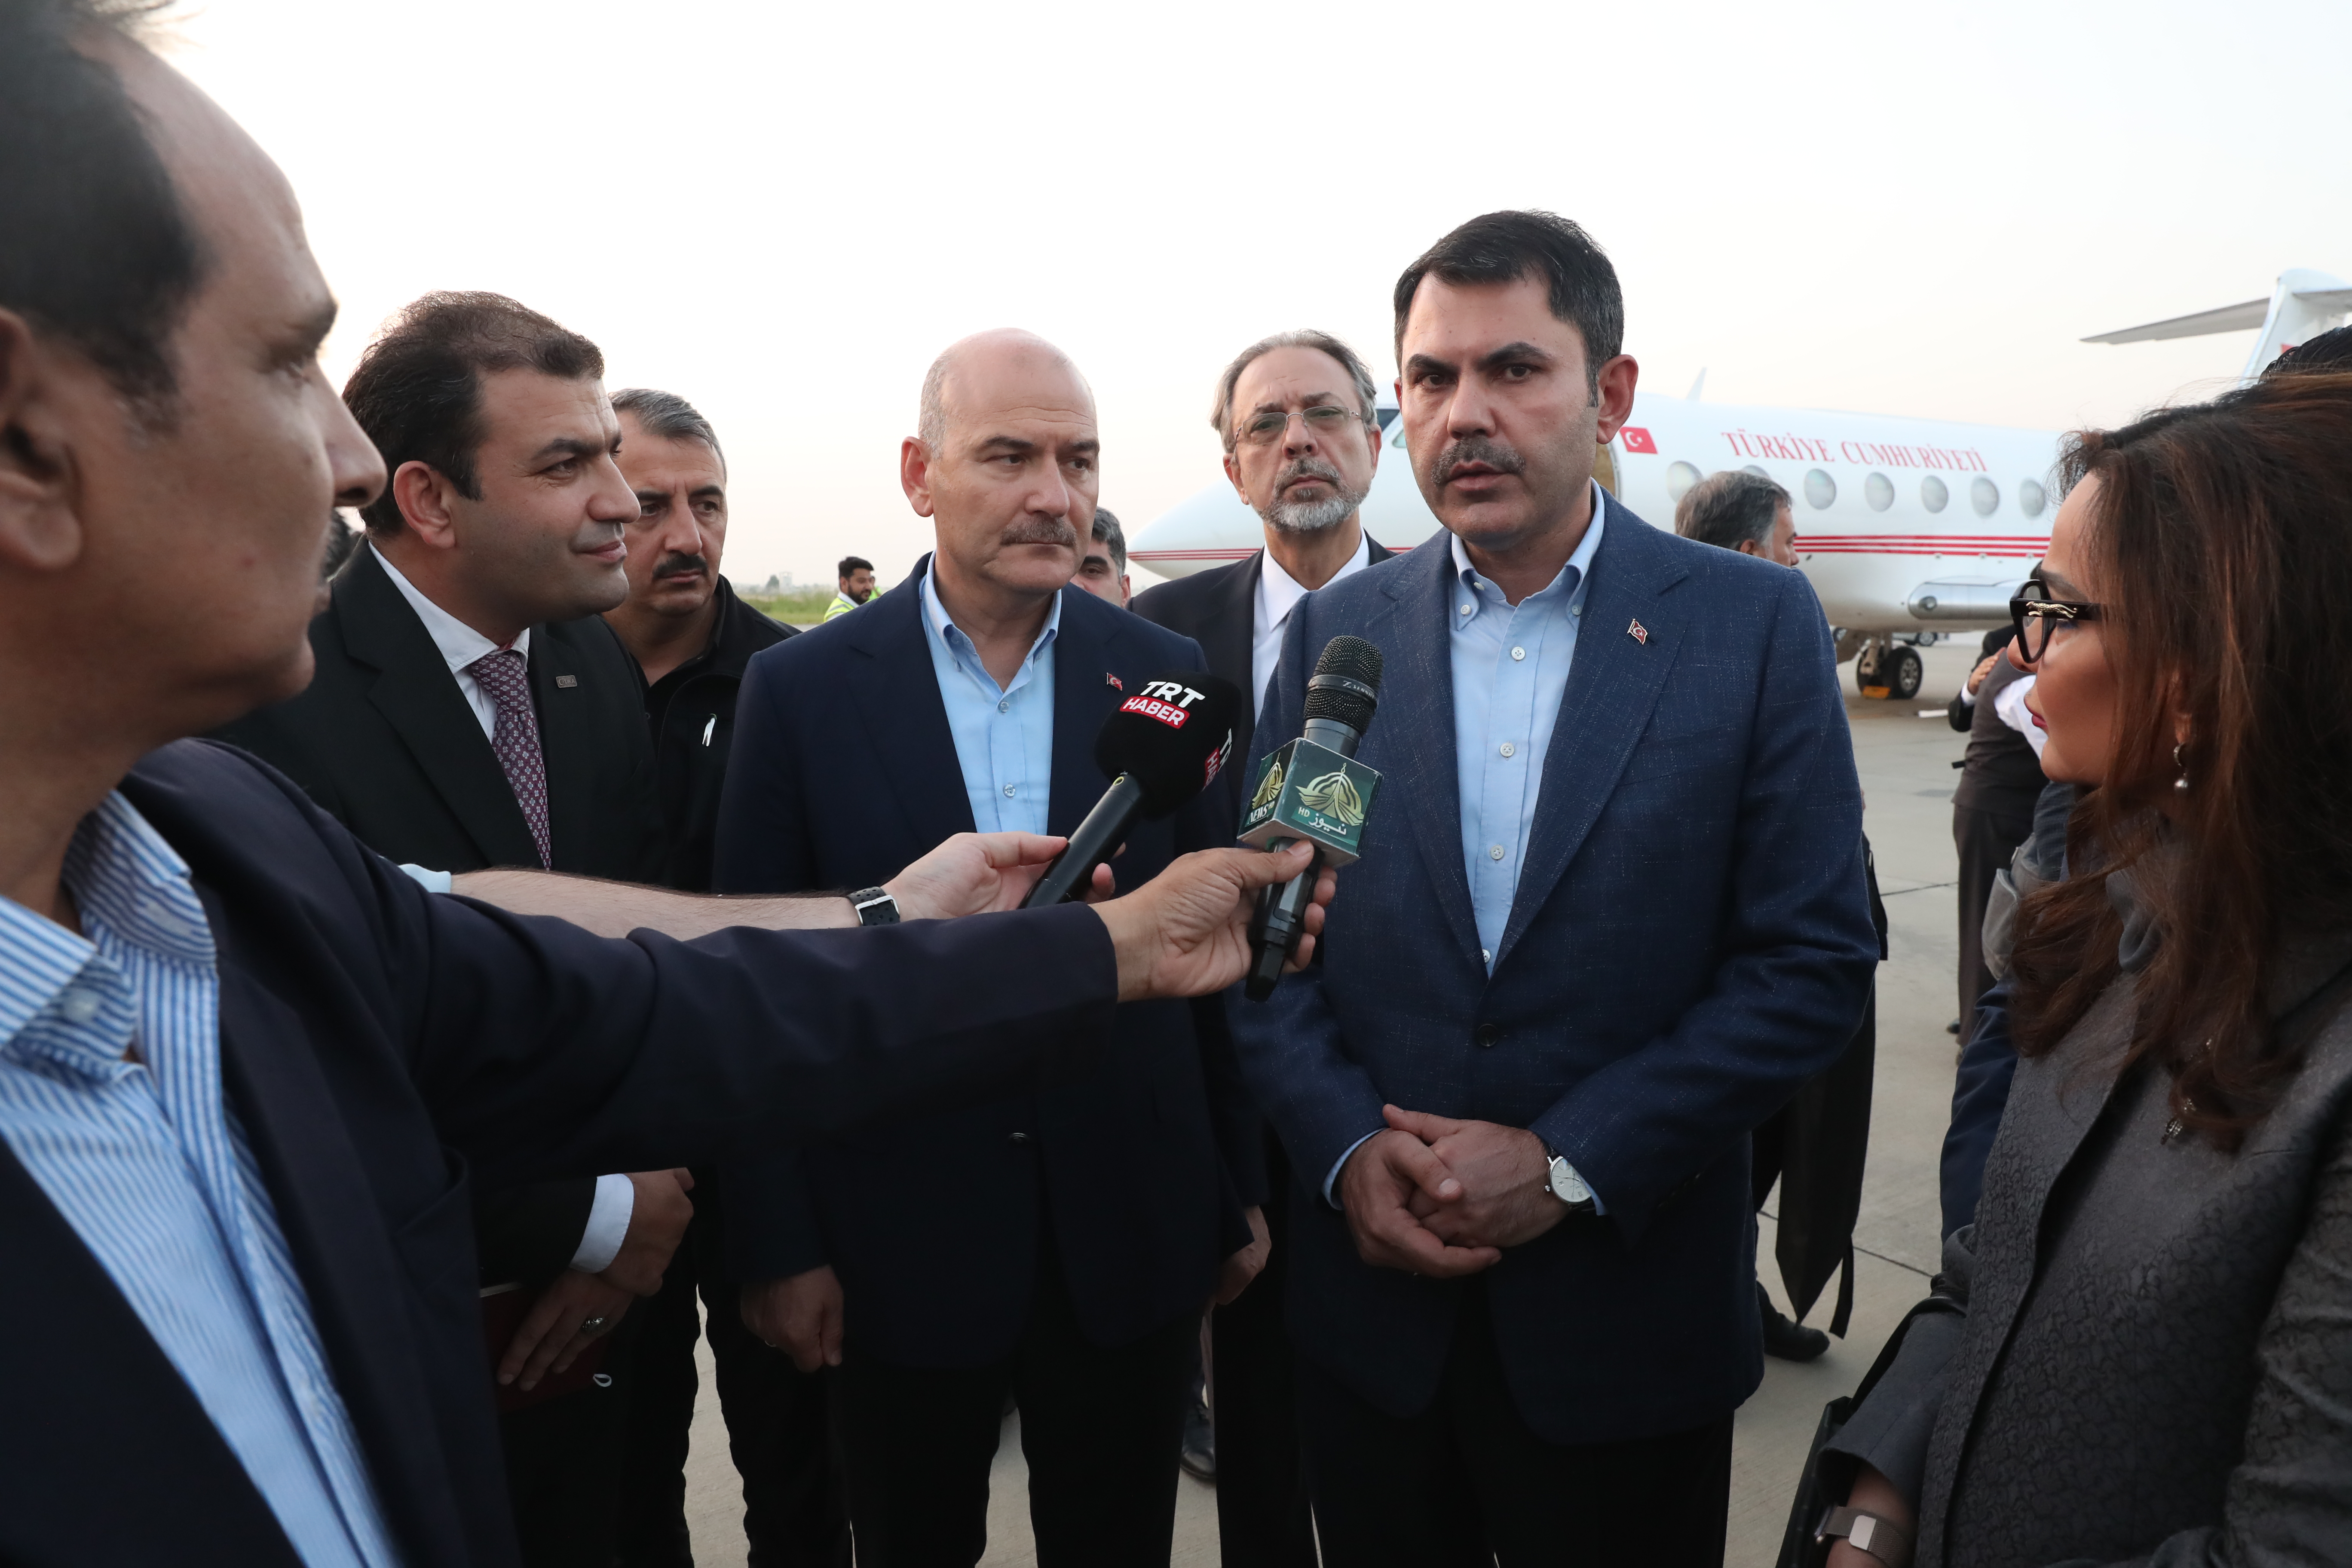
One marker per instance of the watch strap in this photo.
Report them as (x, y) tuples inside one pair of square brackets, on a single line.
[(1882, 1539), (874, 907)]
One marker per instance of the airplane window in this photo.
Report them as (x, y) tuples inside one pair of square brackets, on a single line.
[(1759, 472), (2029, 497), (1879, 491), (1932, 493), (1680, 477), (1819, 489), (1984, 495)]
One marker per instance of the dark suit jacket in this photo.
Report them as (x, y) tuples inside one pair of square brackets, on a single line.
[(382, 739), (1691, 939), (845, 770), (384, 1048), (691, 715)]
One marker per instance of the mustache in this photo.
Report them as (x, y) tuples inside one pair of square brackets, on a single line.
[(676, 565), (1496, 455), (1309, 468), (1040, 530)]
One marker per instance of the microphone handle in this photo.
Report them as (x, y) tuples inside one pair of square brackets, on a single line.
[(1097, 840)]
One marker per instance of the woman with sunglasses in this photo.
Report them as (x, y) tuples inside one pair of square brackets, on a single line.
[(2146, 1350)]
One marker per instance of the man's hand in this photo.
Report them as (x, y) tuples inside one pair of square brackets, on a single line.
[(978, 874), (1504, 1200), (657, 1223), (1977, 676), (1186, 931), (800, 1316), (557, 1327), (1244, 1266), (1386, 1173)]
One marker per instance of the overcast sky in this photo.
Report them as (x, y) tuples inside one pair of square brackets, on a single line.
[(783, 211)]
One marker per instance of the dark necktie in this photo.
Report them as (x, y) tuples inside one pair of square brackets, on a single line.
[(516, 738)]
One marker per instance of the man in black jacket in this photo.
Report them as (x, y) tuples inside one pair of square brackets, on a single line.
[(1295, 413), (692, 637), (249, 1073), (471, 708)]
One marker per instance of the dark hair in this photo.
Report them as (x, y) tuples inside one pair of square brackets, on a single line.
[(2222, 538), (2330, 351), (417, 391), (1360, 376), (1730, 508), (1503, 247), (98, 248), (667, 416), (854, 563), (1106, 529)]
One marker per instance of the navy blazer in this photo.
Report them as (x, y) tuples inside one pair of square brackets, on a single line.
[(844, 769), (384, 1047), (1690, 940)]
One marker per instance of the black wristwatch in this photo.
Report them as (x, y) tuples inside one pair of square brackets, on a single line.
[(874, 907)]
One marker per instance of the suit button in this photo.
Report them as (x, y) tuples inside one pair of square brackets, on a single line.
[(1487, 1034), (1021, 1138)]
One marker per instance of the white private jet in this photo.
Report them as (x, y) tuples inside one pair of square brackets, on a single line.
[(1908, 529)]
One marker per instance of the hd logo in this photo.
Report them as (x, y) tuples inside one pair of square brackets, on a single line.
[(1310, 792), (1166, 700)]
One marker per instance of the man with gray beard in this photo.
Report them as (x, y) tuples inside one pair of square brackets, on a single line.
[(1296, 414)]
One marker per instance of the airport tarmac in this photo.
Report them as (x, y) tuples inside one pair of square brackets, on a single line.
[(1904, 762)]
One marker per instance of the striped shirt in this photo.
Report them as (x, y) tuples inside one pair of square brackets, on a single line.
[(111, 1099)]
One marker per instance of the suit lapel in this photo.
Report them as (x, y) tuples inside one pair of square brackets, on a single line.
[(1082, 700), (1416, 713), (1229, 632), (896, 693), (419, 698), (1611, 686)]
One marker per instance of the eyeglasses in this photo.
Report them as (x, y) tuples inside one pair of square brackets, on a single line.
[(1266, 427), (2035, 619)]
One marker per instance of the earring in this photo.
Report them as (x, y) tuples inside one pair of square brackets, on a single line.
[(2181, 784)]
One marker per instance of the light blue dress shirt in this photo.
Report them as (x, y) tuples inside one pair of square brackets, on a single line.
[(1510, 670), (145, 1161), (1004, 734)]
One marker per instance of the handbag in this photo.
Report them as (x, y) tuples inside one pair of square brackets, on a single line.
[(1798, 1547)]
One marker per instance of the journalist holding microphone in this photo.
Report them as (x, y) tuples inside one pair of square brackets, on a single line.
[(1610, 913), (248, 1071)]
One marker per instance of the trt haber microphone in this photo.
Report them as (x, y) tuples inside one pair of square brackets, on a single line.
[(1313, 789), (1161, 747)]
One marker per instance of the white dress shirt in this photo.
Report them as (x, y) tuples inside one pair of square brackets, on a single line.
[(1278, 593), (460, 646)]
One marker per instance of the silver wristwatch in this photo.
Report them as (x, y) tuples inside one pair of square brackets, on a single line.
[(1866, 1532), (1564, 1183)]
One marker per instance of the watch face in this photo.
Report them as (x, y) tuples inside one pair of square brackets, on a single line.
[(1567, 1186)]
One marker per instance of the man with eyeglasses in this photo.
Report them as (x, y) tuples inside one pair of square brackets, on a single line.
[(1295, 412)]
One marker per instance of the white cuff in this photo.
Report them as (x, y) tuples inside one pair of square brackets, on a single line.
[(1333, 1179), (608, 1223), (431, 881)]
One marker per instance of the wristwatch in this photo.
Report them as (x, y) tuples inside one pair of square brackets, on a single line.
[(1866, 1532), (874, 907), (1562, 1183)]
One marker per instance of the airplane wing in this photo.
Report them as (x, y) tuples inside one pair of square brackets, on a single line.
[(2228, 319)]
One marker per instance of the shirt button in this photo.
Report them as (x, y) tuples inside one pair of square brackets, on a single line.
[(1466, 609), (1518, 653), (1508, 749), (1008, 790), (1485, 955), (79, 1006), (1495, 852), (1575, 609), (1021, 1138), (1004, 706)]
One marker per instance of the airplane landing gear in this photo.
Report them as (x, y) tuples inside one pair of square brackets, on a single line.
[(1886, 669)]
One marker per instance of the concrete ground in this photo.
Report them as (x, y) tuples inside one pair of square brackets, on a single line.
[(1906, 776)]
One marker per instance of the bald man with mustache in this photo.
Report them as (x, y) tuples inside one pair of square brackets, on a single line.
[(1058, 1246)]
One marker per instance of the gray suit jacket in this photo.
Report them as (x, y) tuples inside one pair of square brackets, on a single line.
[(2156, 1362)]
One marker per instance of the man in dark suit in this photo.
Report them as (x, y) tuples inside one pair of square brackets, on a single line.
[(1610, 915), (472, 708), (692, 639), (1057, 1246), (1296, 414), (249, 1073)]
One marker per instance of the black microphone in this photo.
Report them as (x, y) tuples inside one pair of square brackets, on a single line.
[(1314, 789), (1161, 747)]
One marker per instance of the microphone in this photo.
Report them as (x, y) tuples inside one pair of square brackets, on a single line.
[(1161, 747), (1313, 788)]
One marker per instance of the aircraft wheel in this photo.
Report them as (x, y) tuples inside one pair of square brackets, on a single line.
[(1904, 671)]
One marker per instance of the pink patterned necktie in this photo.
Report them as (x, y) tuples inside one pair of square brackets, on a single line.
[(516, 737)]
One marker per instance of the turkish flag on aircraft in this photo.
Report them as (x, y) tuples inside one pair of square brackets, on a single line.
[(1638, 440)]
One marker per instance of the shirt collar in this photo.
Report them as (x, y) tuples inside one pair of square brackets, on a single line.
[(460, 644), (1579, 563), (960, 645), (1278, 592)]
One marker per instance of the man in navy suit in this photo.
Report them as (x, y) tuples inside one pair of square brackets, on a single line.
[(1056, 1245), (1609, 915)]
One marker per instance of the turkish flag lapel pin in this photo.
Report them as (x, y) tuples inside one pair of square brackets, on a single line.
[(1639, 632), (1112, 681)]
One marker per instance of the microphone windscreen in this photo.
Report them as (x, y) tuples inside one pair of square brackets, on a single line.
[(1173, 735), (1346, 685)]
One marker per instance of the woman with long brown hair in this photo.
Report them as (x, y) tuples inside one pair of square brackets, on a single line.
[(2152, 1358)]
